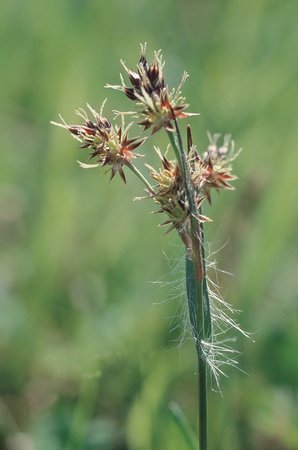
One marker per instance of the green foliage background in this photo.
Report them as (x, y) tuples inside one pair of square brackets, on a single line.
[(90, 355)]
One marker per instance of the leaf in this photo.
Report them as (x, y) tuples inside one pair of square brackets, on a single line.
[(183, 425)]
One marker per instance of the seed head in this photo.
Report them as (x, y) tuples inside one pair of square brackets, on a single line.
[(157, 106), (110, 146), (213, 169), (170, 195)]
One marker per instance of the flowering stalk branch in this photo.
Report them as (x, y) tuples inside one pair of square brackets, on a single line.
[(176, 150), (140, 176)]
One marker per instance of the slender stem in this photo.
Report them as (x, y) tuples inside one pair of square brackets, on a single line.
[(203, 411), (176, 150), (196, 284), (205, 291), (195, 230), (194, 316), (140, 176)]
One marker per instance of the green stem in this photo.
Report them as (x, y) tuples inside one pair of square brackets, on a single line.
[(176, 150), (203, 411), (190, 193), (195, 315), (196, 284), (198, 242), (140, 176)]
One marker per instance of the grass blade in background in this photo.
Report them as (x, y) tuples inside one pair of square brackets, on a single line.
[(183, 426)]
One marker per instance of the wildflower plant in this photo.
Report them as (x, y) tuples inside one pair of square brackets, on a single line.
[(179, 187)]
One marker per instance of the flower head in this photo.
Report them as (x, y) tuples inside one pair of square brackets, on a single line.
[(169, 192), (170, 195), (213, 169), (109, 145), (157, 106)]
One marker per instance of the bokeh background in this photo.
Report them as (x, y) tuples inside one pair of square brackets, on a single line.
[(91, 312)]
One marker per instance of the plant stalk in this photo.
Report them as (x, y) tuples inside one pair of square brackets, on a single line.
[(140, 176), (203, 410), (196, 285)]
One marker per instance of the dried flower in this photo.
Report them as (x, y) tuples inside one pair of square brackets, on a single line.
[(157, 106), (170, 195), (110, 145), (213, 170)]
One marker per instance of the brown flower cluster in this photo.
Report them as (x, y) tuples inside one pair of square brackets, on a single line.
[(170, 194), (213, 169), (157, 106), (210, 171), (179, 186), (110, 146)]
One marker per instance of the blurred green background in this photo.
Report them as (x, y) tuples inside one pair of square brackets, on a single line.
[(90, 347)]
